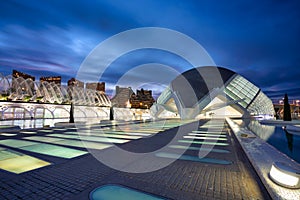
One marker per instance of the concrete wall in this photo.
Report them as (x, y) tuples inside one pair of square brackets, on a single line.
[(20, 110), (128, 114)]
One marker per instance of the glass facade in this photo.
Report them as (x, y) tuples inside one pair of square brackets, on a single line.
[(252, 99), (237, 89), (165, 95), (241, 89), (261, 105)]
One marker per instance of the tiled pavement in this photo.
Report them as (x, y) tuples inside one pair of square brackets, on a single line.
[(75, 178)]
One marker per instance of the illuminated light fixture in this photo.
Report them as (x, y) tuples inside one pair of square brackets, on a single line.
[(203, 138), (284, 175)]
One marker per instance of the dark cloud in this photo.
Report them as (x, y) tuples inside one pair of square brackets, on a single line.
[(293, 93), (258, 40)]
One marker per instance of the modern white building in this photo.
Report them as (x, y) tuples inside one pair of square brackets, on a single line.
[(206, 91)]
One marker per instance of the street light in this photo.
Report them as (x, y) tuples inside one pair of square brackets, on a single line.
[(284, 175)]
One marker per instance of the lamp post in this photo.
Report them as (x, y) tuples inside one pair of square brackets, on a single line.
[(297, 104)]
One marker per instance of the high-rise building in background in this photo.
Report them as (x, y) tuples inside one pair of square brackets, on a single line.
[(142, 99), (125, 97), (100, 86), (76, 83), (17, 74), (51, 79), (22, 87), (26, 88)]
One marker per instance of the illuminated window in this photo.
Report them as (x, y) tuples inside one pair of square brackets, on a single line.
[(241, 89)]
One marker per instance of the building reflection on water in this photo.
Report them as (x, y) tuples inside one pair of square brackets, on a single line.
[(263, 131), (289, 138), (279, 138)]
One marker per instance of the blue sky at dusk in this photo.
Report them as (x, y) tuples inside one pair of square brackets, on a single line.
[(257, 39)]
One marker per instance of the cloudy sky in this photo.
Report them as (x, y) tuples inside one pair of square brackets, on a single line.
[(53, 37)]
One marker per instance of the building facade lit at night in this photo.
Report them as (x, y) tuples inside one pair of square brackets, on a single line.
[(190, 95)]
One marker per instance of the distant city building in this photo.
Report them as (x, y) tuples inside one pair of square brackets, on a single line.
[(96, 86), (17, 74), (142, 99), (20, 86), (76, 83), (294, 106), (122, 97), (51, 79)]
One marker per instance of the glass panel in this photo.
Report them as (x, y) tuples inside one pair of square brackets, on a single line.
[(261, 105), (203, 138), (91, 138), (203, 142), (108, 134), (193, 158), (209, 135), (47, 149), (240, 88), (115, 192), (73, 143), (17, 162), (198, 148)]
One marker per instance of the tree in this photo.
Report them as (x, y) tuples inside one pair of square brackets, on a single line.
[(286, 109)]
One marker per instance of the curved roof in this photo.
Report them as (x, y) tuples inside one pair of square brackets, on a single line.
[(195, 83), (208, 88)]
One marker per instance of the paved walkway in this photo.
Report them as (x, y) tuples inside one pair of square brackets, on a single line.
[(262, 156), (183, 179)]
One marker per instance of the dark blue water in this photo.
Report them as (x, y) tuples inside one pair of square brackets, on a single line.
[(277, 137), (286, 143)]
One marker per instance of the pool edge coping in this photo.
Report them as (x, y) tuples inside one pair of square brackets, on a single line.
[(261, 156)]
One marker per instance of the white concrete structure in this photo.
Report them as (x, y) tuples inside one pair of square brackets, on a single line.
[(207, 91), (25, 99)]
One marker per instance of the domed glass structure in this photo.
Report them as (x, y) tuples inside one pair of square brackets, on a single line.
[(206, 91)]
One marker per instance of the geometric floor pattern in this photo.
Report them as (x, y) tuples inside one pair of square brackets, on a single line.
[(59, 142), (54, 163)]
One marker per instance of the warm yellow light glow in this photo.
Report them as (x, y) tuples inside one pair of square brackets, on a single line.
[(23, 163), (283, 177)]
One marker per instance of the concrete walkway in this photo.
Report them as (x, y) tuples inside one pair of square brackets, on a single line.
[(262, 155), (183, 179)]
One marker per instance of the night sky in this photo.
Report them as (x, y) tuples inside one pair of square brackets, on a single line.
[(258, 39)]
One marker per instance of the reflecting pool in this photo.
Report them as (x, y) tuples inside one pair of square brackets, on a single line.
[(277, 137)]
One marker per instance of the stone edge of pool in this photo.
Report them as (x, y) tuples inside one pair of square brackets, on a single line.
[(261, 156)]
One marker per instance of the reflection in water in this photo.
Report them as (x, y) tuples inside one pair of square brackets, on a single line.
[(289, 138), (263, 131), (283, 141)]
